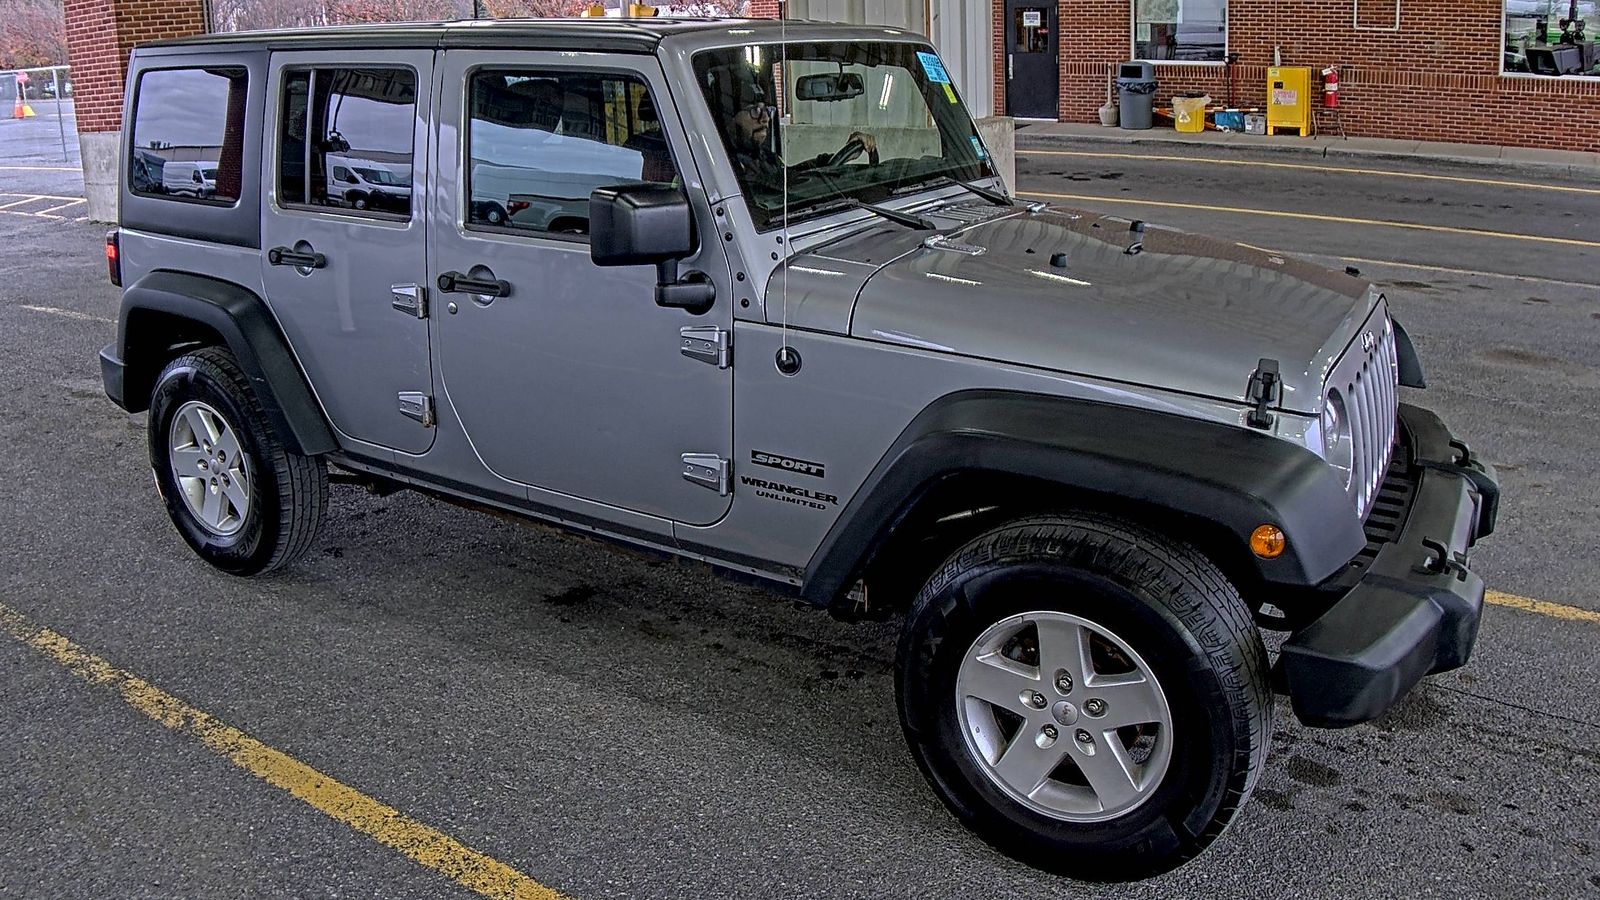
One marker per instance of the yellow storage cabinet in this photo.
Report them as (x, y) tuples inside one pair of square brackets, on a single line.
[(1289, 99)]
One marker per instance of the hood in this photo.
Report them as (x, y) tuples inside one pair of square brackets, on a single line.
[(1093, 295)]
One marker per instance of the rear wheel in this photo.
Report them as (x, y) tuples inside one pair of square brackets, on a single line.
[(1089, 697), (239, 498)]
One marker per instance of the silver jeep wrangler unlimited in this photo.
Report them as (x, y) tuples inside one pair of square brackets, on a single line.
[(751, 293)]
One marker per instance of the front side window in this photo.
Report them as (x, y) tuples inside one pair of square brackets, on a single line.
[(1545, 37), (338, 123), (540, 142), (188, 134), (1187, 30), (852, 121)]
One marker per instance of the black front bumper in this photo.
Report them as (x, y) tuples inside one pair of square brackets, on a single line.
[(1410, 606)]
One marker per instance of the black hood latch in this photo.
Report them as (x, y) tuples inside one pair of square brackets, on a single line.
[(1265, 389)]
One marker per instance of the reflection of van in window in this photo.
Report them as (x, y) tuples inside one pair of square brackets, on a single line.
[(367, 184), (190, 179)]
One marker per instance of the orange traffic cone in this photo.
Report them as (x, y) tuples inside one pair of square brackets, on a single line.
[(23, 110)]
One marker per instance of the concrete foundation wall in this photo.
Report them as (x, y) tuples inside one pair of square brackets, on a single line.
[(101, 153), (999, 134)]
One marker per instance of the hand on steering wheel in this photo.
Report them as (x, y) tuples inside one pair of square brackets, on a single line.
[(860, 142)]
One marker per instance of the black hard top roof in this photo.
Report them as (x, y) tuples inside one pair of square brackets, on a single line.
[(641, 35)]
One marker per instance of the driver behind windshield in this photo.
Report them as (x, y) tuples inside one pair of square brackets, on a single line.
[(748, 124)]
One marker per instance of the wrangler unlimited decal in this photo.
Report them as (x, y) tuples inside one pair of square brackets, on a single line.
[(777, 490)]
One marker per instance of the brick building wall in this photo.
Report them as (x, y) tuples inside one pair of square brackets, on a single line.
[(1446, 86), (101, 34)]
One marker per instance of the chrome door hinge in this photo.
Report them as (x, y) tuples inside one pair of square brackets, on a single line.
[(410, 298), (709, 470), (707, 343), (417, 405)]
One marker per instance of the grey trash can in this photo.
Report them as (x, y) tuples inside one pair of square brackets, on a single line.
[(1136, 90)]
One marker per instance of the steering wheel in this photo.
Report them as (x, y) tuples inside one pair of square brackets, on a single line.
[(851, 151)]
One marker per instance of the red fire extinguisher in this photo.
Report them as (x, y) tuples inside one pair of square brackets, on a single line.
[(1330, 87)]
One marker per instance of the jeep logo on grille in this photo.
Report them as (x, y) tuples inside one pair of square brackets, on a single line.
[(787, 463)]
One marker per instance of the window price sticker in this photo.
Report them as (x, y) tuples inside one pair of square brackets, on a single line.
[(933, 68)]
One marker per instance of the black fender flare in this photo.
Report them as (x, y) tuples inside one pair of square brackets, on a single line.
[(245, 325), (1409, 363), (1232, 476)]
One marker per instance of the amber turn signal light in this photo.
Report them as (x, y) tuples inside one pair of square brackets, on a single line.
[(1268, 542)]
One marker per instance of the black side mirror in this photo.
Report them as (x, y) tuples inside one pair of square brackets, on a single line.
[(649, 224)]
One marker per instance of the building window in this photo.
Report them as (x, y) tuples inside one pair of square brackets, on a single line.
[(360, 124), (540, 143), (1184, 30), (1552, 37), (188, 134)]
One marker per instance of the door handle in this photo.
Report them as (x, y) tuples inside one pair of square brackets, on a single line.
[(285, 256), (459, 283)]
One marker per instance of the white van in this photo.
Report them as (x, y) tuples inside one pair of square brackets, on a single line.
[(189, 179), (367, 184)]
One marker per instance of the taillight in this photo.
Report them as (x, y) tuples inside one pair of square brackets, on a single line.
[(515, 206), (114, 257)]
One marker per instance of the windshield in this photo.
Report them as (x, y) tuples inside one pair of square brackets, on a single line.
[(851, 121), (378, 176)]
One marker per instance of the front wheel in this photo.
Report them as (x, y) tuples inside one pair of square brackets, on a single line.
[(1089, 697), (241, 500)]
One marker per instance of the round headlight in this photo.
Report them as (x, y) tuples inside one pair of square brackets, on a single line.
[(1338, 449)]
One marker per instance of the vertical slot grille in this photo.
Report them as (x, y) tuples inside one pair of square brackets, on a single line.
[(1367, 378)]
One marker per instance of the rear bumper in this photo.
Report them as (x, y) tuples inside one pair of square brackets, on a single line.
[(1415, 609), (112, 372)]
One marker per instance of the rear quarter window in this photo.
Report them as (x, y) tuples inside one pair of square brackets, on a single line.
[(188, 134)]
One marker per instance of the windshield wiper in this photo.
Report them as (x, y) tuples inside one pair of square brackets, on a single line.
[(894, 215), (993, 196)]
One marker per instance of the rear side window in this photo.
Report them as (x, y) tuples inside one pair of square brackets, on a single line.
[(188, 134), (345, 140), (539, 143)]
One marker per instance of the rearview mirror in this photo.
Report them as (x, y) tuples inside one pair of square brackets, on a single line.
[(829, 87), (649, 224)]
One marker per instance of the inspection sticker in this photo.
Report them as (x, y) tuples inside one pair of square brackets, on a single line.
[(978, 146), (933, 67)]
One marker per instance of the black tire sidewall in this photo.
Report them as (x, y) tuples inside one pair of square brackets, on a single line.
[(249, 549), (1165, 829)]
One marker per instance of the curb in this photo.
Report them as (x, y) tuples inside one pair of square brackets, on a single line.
[(1026, 138)]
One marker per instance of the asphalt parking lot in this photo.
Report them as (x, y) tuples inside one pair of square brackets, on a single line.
[(610, 726)]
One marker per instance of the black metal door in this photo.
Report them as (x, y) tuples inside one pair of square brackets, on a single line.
[(1033, 74)]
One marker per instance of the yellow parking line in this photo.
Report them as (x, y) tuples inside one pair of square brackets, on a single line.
[(384, 824), (1344, 170), (1316, 217), (1543, 607)]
